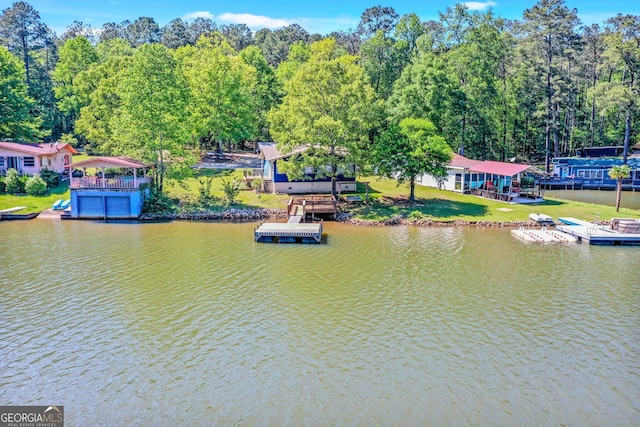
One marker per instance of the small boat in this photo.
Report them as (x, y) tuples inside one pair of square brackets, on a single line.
[(14, 216), (541, 219)]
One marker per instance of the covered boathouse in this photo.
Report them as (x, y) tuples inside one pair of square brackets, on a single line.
[(108, 188)]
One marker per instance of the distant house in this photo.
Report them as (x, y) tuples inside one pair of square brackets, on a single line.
[(275, 181), (32, 158), (590, 169), (116, 190), (499, 180)]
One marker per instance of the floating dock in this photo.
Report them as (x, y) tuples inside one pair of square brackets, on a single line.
[(279, 232), (595, 234), (543, 236)]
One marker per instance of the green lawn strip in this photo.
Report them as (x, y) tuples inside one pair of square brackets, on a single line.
[(35, 203), (385, 199), (440, 205)]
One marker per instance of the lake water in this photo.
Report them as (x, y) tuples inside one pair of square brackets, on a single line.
[(628, 199), (191, 323)]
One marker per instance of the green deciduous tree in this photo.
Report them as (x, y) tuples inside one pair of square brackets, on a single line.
[(409, 150), (100, 84), (75, 56), (151, 121), (329, 106), (16, 119), (222, 106)]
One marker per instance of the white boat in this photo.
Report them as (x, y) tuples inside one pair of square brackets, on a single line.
[(541, 219)]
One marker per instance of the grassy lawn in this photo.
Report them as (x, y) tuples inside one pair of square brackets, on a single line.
[(35, 203), (247, 198), (385, 200), (440, 205)]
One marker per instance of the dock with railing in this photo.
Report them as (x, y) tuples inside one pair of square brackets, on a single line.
[(311, 204), (621, 231)]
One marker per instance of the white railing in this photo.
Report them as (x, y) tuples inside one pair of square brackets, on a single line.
[(108, 183)]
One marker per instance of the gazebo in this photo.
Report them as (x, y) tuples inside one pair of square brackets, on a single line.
[(114, 192)]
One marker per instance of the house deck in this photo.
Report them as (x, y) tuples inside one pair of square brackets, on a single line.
[(312, 204)]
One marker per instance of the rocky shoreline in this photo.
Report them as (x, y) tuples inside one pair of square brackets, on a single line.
[(261, 214)]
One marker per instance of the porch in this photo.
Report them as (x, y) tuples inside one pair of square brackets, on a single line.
[(116, 183)]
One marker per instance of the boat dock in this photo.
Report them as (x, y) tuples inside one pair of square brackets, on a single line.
[(595, 234), (543, 236), (289, 232)]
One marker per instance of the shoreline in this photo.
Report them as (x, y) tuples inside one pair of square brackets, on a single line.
[(249, 215)]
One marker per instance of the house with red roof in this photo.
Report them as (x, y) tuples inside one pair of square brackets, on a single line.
[(30, 159), (495, 180)]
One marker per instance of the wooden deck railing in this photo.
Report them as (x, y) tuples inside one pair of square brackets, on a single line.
[(118, 183), (313, 204)]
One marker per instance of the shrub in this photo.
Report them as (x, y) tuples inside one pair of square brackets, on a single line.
[(205, 194), (13, 183), (35, 186), (231, 189), (3, 187), (51, 178), (157, 202), (256, 185)]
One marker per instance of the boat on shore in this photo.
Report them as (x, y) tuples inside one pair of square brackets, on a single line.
[(542, 219), (10, 214), (16, 216)]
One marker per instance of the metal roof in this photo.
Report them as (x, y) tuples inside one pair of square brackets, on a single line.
[(500, 168), (108, 162), (270, 151), (459, 161), (38, 149)]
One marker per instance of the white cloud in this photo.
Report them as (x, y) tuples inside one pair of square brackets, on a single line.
[(199, 14), (479, 5), (255, 21)]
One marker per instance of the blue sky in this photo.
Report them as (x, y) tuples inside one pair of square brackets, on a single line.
[(321, 16)]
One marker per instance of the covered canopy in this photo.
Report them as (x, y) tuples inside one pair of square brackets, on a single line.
[(499, 168), (108, 162)]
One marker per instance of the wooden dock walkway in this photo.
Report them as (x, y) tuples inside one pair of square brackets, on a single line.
[(312, 204), (279, 232)]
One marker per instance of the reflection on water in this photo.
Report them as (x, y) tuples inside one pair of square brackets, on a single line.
[(195, 324)]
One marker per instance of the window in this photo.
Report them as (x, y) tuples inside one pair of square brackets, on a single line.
[(458, 184), (590, 174), (29, 161), (1, 162)]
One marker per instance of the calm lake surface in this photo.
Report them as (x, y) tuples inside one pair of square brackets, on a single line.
[(190, 323), (629, 199)]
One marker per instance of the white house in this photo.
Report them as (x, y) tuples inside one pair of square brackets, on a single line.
[(498, 180)]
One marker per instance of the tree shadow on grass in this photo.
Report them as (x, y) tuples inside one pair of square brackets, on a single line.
[(439, 208)]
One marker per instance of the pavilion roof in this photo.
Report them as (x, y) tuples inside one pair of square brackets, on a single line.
[(109, 162)]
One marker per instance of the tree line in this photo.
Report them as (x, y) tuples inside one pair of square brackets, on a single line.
[(389, 92)]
